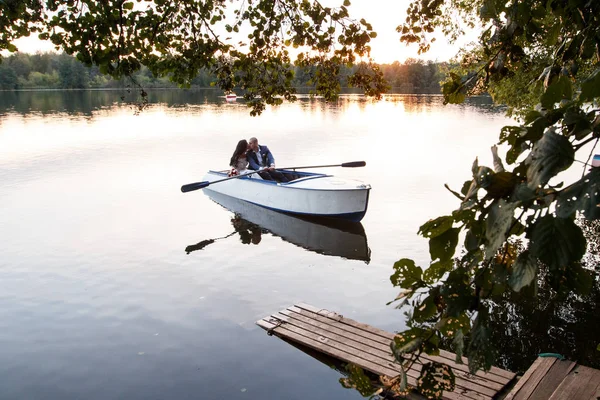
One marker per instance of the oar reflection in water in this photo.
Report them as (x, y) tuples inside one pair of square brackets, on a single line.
[(249, 234)]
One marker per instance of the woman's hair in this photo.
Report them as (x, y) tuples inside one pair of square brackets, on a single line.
[(240, 149)]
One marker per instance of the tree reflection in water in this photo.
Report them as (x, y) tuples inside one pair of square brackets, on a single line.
[(542, 319)]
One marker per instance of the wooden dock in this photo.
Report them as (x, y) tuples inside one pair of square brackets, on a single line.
[(554, 379), (369, 348)]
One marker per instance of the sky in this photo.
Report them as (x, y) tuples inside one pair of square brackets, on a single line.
[(384, 15)]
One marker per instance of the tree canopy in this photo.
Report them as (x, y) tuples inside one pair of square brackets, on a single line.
[(539, 57), (180, 38)]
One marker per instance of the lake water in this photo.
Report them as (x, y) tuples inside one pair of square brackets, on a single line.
[(99, 298)]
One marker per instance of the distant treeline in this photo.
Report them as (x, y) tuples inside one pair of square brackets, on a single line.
[(61, 71)]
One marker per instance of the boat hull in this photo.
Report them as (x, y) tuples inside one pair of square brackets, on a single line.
[(321, 196)]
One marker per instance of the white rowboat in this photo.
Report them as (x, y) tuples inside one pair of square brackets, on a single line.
[(309, 194)]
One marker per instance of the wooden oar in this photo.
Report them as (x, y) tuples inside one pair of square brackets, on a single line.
[(200, 185), (202, 244), (353, 164)]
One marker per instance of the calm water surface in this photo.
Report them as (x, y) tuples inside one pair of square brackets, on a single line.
[(99, 298)]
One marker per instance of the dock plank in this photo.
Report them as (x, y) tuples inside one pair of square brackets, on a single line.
[(529, 382), (582, 383), (464, 380), (552, 380), (369, 347), (380, 356), (496, 375), (339, 352)]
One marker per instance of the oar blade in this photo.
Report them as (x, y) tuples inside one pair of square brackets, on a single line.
[(354, 164), (194, 186)]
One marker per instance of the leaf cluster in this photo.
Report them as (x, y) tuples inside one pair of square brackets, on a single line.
[(541, 58)]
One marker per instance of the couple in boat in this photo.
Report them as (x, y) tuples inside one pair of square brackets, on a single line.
[(249, 157)]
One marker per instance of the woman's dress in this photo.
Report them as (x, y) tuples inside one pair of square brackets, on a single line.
[(241, 167)]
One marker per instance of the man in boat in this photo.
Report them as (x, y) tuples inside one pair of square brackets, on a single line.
[(261, 159)]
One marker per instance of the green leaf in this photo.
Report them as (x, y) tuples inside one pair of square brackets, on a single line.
[(435, 227), (481, 351), (453, 90), (128, 6), (358, 380), (471, 241), (406, 342), (524, 271), (501, 184), (552, 154), (553, 34), (465, 187), (431, 346), (497, 224), (557, 91), (510, 134), (404, 380), (450, 326), (524, 193), (576, 279), (577, 123), (459, 346), (457, 291), (443, 246), (425, 310), (434, 379), (347, 3), (557, 241), (583, 195), (590, 88), (488, 9), (436, 271), (406, 273)]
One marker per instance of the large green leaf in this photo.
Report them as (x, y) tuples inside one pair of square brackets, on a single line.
[(436, 270), (481, 351), (406, 342), (425, 310), (590, 88), (577, 279), (583, 195), (435, 227), (577, 123), (552, 154), (457, 291), (442, 247), (459, 346), (451, 325), (501, 184), (557, 91), (524, 271), (357, 379), (406, 273), (434, 379), (498, 223), (471, 241), (557, 241)]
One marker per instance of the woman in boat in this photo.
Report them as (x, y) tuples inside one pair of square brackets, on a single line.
[(239, 162)]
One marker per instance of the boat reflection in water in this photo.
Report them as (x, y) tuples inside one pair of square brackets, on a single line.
[(329, 237)]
